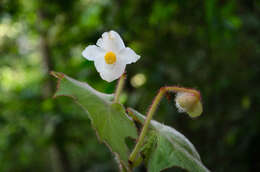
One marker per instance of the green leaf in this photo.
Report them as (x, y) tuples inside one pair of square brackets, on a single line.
[(110, 121), (169, 148)]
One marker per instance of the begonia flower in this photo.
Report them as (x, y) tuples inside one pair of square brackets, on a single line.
[(110, 56)]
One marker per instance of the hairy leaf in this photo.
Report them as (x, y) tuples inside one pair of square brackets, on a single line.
[(170, 148), (109, 119)]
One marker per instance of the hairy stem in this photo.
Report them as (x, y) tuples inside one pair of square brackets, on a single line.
[(151, 112), (119, 88)]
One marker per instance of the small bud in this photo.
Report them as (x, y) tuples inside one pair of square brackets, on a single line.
[(189, 103)]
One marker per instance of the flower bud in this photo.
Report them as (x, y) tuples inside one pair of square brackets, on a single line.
[(189, 103)]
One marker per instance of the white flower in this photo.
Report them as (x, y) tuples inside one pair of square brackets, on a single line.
[(110, 56)]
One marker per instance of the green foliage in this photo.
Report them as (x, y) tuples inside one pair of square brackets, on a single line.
[(169, 148), (164, 147), (205, 44), (108, 119)]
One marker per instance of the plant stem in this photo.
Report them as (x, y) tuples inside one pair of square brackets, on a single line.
[(119, 88), (151, 112)]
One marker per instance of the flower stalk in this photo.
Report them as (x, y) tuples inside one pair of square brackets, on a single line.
[(151, 111), (119, 87)]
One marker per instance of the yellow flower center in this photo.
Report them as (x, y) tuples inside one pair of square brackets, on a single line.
[(110, 57)]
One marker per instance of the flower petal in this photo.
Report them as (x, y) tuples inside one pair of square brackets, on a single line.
[(111, 41), (92, 52), (108, 72), (128, 56)]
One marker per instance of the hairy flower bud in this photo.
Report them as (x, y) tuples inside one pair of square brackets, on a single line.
[(189, 103)]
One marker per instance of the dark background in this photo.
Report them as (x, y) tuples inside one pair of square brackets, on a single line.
[(210, 45)]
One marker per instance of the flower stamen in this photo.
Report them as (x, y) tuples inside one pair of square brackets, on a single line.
[(110, 57)]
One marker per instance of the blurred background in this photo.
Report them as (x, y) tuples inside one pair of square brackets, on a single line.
[(213, 46)]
